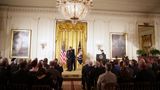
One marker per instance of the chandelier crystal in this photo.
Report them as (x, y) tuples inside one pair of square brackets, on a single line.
[(74, 9)]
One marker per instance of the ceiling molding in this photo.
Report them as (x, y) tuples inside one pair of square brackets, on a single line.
[(13, 8), (27, 8)]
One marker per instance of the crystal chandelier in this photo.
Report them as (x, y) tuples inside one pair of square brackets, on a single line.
[(74, 9)]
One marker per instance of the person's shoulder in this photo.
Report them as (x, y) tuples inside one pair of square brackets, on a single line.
[(112, 74), (102, 75)]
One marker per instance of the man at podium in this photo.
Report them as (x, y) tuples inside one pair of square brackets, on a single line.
[(101, 57)]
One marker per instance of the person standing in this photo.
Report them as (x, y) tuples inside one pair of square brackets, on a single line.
[(107, 78), (71, 59)]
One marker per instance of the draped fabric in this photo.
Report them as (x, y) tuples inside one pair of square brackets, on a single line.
[(63, 54), (71, 34), (79, 54)]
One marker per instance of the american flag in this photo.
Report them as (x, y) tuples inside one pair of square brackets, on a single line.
[(63, 54)]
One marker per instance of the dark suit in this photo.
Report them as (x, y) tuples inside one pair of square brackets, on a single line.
[(71, 60), (20, 77)]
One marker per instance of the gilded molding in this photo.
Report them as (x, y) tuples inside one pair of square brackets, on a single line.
[(55, 10), (27, 9)]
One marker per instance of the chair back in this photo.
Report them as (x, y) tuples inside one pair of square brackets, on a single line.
[(109, 86), (41, 87), (19, 87)]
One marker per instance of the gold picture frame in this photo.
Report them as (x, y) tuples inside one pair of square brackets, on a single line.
[(20, 43), (118, 45), (146, 36)]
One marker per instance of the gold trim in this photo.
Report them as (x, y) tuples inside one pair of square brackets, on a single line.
[(29, 42), (118, 33), (146, 30)]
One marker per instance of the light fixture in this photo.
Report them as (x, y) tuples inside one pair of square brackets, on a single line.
[(43, 45), (74, 9)]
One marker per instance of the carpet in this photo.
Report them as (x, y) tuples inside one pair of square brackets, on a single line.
[(72, 85), (72, 80)]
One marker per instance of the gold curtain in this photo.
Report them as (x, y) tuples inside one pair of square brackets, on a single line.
[(71, 34)]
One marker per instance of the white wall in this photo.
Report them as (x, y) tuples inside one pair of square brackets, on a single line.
[(42, 22)]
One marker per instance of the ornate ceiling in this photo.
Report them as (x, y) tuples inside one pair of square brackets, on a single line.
[(144, 6)]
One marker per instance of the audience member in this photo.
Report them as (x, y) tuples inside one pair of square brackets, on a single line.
[(21, 75), (98, 70), (54, 75), (84, 74), (13, 65), (59, 68), (106, 78), (89, 71), (33, 71), (145, 74), (42, 78), (116, 67), (4, 72), (45, 64)]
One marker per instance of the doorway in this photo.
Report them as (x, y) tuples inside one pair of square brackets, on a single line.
[(69, 34)]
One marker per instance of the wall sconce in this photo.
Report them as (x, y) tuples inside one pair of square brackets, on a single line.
[(43, 45)]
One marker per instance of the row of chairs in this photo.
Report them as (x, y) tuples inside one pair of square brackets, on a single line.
[(134, 86), (110, 86), (25, 87)]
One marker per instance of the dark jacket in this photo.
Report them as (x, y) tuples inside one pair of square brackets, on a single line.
[(71, 54)]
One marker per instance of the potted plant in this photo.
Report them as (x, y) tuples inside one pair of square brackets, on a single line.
[(141, 52), (154, 52)]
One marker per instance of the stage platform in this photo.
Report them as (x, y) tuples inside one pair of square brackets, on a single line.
[(72, 75)]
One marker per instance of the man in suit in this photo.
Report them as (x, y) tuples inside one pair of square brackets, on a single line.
[(106, 78), (71, 59)]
